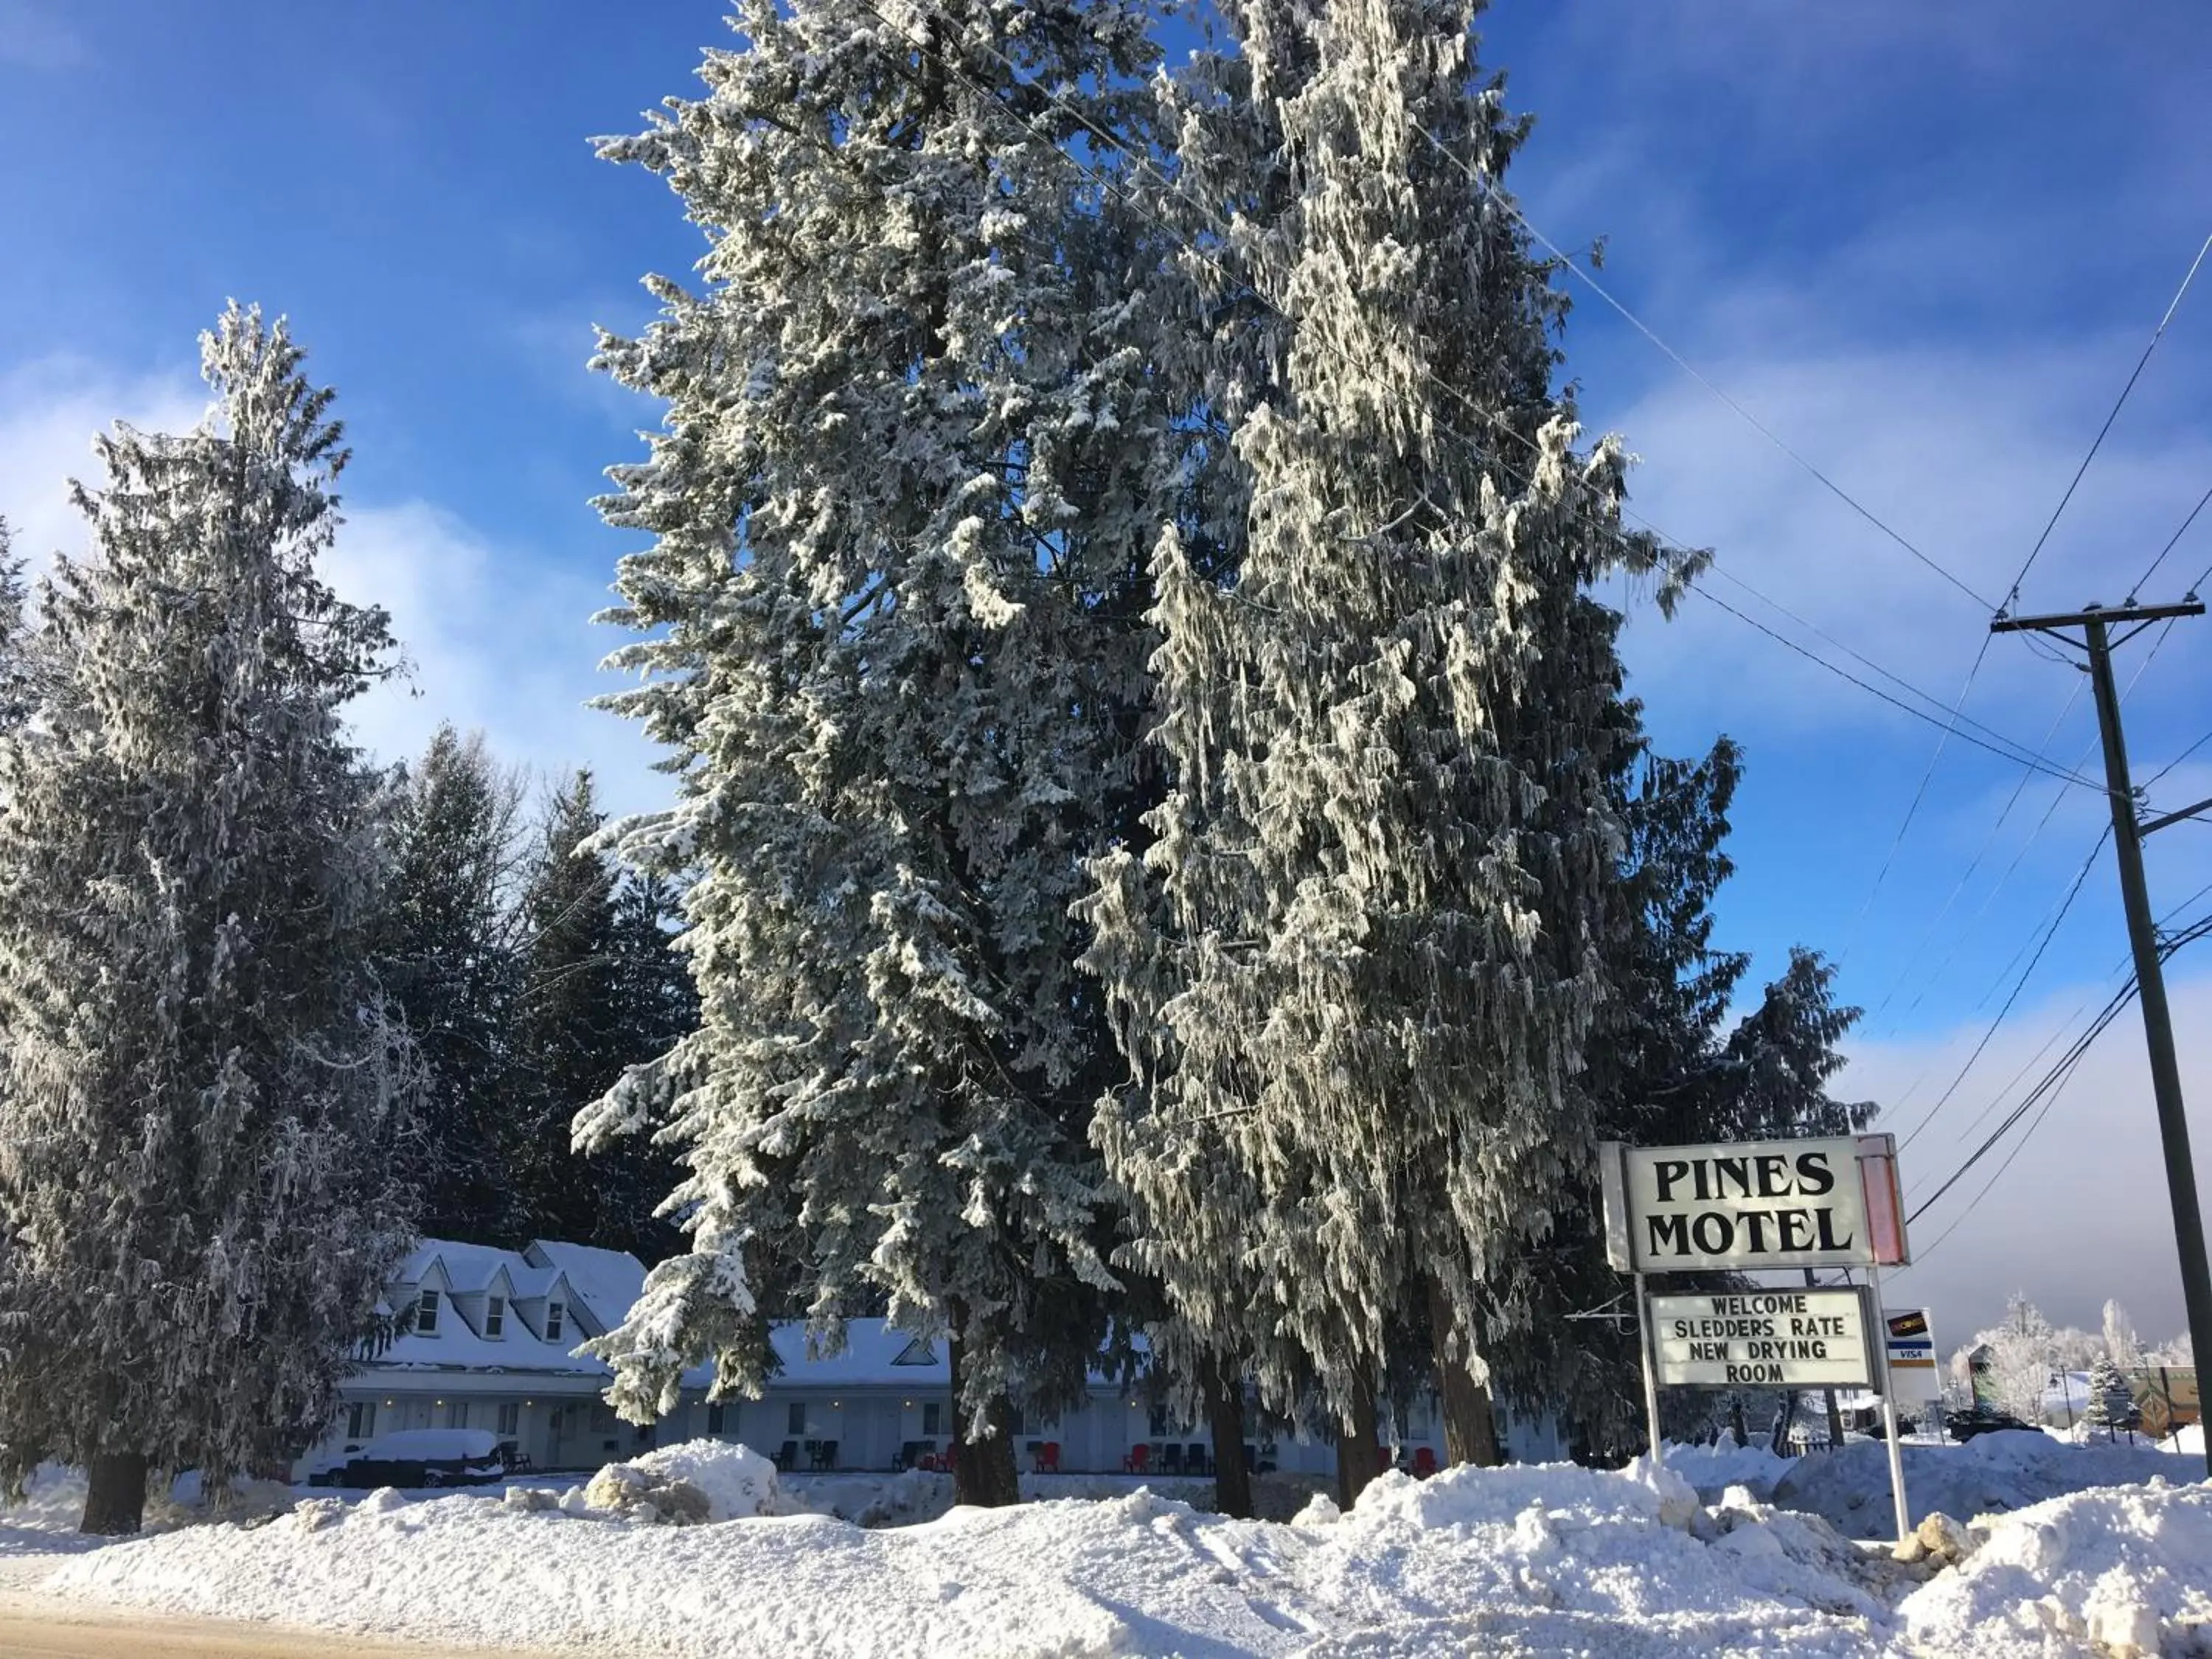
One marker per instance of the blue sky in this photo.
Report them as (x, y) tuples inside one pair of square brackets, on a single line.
[(1924, 245)]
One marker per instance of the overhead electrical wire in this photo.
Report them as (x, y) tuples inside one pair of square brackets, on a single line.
[(1513, 210), (2053, 1082), (2006, 748), (2019, 985), (2118, 403), (2169, 547)]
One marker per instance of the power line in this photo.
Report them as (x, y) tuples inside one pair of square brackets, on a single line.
[(2169, 547), (1120, 145), (2012, 597), (1513, 208), (2033, 761), (2120, 403), (1975, 863), (2018, 858), (2046, 1091), (2019, 984), (2053, 1082), (1950, 714)]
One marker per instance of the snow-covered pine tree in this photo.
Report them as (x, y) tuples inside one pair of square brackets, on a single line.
[(911, 446), (445, 948), (200, 1091), (1368, 921), (2111, 1405), (15, 689)]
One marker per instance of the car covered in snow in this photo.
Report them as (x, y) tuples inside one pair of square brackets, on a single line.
[(1981, 1419), (426, 1457)]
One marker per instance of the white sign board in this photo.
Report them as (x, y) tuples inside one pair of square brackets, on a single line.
[(1762, 1339), (1744, 1204), (1914, 1377)]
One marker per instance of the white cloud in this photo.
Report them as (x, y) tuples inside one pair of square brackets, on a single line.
[(34, 36), (49, 412), (2081, 1213), (497, 638)]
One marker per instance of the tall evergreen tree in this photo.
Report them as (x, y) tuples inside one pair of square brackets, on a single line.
[(200, 1091), (911, 441), (1358, 964), (446, 947), (16, 694), (601, 992)]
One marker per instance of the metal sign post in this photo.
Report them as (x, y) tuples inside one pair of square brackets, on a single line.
[(1889, 1414), (1646, 1340)]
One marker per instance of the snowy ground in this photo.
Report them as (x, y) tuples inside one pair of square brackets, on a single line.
[(1519, 1560)]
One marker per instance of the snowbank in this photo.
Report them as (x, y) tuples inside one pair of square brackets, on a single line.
[(737, 1482), (1713, 1469), (1992, 1473), (1512, 1559), (2130, 1569)]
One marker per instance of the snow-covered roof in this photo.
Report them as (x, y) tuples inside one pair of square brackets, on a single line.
[(609, 1281)]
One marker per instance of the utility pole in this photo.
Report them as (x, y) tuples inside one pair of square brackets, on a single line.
[(2096, 623)]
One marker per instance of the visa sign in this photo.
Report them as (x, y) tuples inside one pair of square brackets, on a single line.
[(1822, 1203)]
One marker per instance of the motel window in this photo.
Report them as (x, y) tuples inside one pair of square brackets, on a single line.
[(933, 1420), (715, 1418), (794, 1421), (495, 1317), (554, 1313), (456, 1413), (361, 1419), (426, 1314), (510, 1417), (1160, 1428)]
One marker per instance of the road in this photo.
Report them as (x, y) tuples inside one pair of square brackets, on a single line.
[(32, 1628)]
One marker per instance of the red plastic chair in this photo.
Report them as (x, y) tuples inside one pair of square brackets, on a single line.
[(1136, 1459), (1425, 1462), (1048, 1458)]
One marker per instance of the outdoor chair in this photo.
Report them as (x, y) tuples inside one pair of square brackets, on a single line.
[(787, 1456), (825, 1454), (1049, 1458), (1196, 1459), (1136, 1459), (1033, 1450), (1251, 1459), (1425, 1462), (1171, 1458)]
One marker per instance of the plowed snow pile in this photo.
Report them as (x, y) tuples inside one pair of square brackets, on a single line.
[(1990, 1474), (1517, 1560), (2124, 1570)]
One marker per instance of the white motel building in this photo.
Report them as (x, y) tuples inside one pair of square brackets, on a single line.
[(488, 1338)]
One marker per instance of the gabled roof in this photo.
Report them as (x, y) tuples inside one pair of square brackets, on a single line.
[(607, 1281)]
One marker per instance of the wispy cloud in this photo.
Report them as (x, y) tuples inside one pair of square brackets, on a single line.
[(33, 35), (2081, 1213)]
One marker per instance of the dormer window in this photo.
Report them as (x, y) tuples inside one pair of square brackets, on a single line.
[(426, 1315), (495, 1317), (556, 1313)]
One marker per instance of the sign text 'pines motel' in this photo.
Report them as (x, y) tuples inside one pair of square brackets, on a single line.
[(1759, 1204)]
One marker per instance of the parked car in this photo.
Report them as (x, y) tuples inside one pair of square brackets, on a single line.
[(1982, 1420), (427, 1457)]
